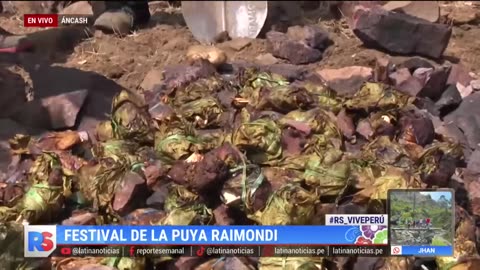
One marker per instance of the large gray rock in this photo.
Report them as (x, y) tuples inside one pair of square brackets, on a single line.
[(467, 118), (55, 112), (346, 81), (400, 33), (435, 82), (449, 100), (404, 82), (280, 45), (310, 35)]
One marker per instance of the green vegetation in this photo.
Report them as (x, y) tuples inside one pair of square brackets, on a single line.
[(438, 241), (406, 207)]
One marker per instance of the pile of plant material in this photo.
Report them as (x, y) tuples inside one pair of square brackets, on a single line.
[(248, 148)]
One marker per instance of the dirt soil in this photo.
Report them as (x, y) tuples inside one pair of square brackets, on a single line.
[(65, 62)]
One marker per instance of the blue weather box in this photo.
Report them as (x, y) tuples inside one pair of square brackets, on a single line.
[(367, 235)]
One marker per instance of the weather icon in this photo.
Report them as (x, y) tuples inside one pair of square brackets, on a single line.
[(352, 234)]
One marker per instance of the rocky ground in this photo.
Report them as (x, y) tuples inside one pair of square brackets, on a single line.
[(67, 62), (123, 62)]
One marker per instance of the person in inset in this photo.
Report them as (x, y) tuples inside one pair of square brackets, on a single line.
[(120, 17), (427, 221)]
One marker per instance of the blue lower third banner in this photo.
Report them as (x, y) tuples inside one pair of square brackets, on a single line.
[(422, 251), (198, 235)]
